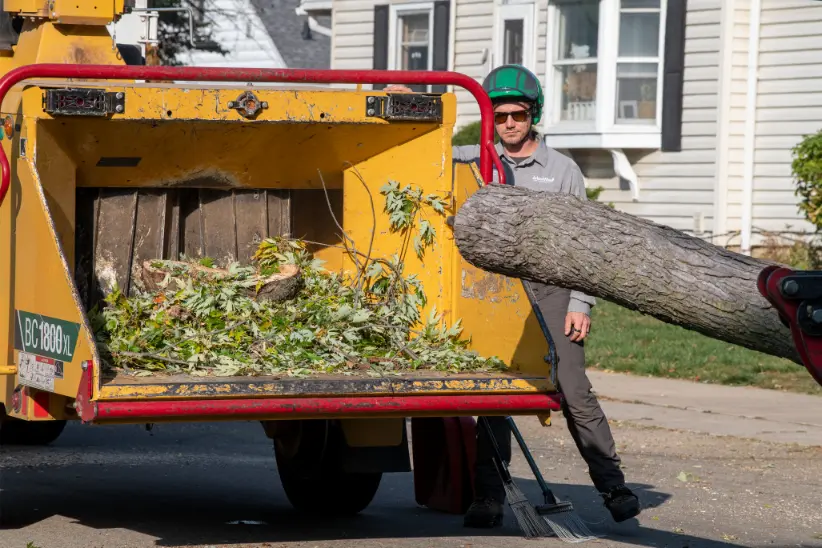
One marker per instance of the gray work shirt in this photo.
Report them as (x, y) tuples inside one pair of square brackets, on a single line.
[(546, 170)]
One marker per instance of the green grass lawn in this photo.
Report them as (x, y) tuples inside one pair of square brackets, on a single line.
[(627, 341)]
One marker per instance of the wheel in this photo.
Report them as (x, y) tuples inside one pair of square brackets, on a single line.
[(312, 476), (20, 432)]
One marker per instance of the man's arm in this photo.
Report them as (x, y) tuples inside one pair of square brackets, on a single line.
[(580, 302), (466, 154)]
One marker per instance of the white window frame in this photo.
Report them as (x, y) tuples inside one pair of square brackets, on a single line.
[(395, 12), (604, 132), (512, 10)]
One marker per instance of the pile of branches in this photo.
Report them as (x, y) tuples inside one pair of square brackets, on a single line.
[(282, 315)]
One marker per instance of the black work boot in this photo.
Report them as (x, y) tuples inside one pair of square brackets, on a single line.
[(484, 513), (621, 502)]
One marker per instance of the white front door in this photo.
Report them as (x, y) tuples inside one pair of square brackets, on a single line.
[(514, 36)]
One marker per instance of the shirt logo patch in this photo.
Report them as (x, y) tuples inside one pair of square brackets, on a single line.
[(538, 179)]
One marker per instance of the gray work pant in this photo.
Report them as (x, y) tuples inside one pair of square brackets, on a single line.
[(586, 421)]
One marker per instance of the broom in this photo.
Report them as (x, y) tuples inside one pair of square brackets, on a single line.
[(559, 515), (530, 522)]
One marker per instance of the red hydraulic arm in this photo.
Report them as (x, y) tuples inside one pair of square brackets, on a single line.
[(797, 296)]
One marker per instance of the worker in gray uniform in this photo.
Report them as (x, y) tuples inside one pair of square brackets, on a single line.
[(518, 100)]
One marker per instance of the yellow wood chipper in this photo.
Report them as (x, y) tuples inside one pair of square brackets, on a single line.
[(106, 165)]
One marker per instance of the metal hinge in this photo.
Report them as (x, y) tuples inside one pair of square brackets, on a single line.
[(405, 106), (83, 102)]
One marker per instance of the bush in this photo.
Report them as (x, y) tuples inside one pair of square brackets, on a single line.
[(807, 171), (469, 135)]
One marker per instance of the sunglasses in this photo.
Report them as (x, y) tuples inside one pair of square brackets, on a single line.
[(518, 116)]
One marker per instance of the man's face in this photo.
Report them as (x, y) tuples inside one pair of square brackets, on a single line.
[(512, 122)]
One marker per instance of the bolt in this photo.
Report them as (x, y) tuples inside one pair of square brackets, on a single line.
[(84, 367), (790, 287), (370, 100), (816, 316), (265, 104), (371, 112), (120, 95), (119, 108)]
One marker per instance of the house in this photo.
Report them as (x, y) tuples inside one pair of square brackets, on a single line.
[(685, 111), (254, 34)]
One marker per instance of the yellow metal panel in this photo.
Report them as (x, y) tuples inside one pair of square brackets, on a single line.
[(83, 12), (494, 309), (40, 281), (419, 163), (40, 7)]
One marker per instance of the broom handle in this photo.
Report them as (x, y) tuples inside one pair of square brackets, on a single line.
[(502, 469), (546, 491), (551, 358)]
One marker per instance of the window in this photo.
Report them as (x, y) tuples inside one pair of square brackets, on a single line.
[(575, 65), (514, 34), (638, 62), (413, 38), (606, 59)]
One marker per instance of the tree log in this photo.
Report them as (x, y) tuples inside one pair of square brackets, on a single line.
[(281, 286), (587, 246)]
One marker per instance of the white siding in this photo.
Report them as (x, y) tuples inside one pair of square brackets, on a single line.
[(239, 30), (473, 39), (675, 187), (352, 26), (789, 106)]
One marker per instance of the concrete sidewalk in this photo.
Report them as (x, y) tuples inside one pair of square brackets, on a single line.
[(756, 413)]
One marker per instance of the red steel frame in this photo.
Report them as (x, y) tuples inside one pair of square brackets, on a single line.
[(305, 408), (399, 406), (488, 154)]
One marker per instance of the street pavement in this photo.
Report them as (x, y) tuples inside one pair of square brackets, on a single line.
[(216, 485)]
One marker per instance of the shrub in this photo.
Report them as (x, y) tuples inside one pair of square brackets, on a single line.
[(807, 172)]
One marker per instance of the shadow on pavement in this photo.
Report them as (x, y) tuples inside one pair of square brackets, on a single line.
[(188, 483)]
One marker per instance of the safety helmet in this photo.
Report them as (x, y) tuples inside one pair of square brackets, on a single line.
[(515, 82)]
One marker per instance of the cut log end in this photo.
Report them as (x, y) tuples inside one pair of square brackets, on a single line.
[(281, 286)]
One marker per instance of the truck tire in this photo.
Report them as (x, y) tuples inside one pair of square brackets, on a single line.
[(312, 476), (19, 432)]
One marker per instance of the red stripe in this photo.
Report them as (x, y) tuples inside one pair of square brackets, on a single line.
[(402, 406)]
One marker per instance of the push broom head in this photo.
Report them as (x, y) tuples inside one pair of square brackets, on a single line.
[(565, 523), (530, 522)]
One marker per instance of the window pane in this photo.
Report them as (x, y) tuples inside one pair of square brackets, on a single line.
[(514, 36), (413, 44), (639, 35), (636, 93), (579, 92), (628, 4), (578, 28)]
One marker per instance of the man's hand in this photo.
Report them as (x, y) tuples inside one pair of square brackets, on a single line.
[(577, 325), (398, 88)]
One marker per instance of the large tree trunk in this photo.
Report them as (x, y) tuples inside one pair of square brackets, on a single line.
[(587, 246)]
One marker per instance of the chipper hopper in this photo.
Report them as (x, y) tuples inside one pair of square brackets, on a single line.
[(106, 166)]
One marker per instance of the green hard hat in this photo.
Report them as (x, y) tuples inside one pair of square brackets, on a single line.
[(515, 82)]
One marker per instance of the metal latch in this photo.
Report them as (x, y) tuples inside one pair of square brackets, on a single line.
[(405, 106), (83, 102), (248, 105)]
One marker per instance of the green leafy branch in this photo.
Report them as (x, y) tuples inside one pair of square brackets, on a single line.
[(403, 205)]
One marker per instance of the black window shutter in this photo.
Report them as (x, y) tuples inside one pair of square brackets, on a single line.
[(673, 73), (442, 23), (380, 40)]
